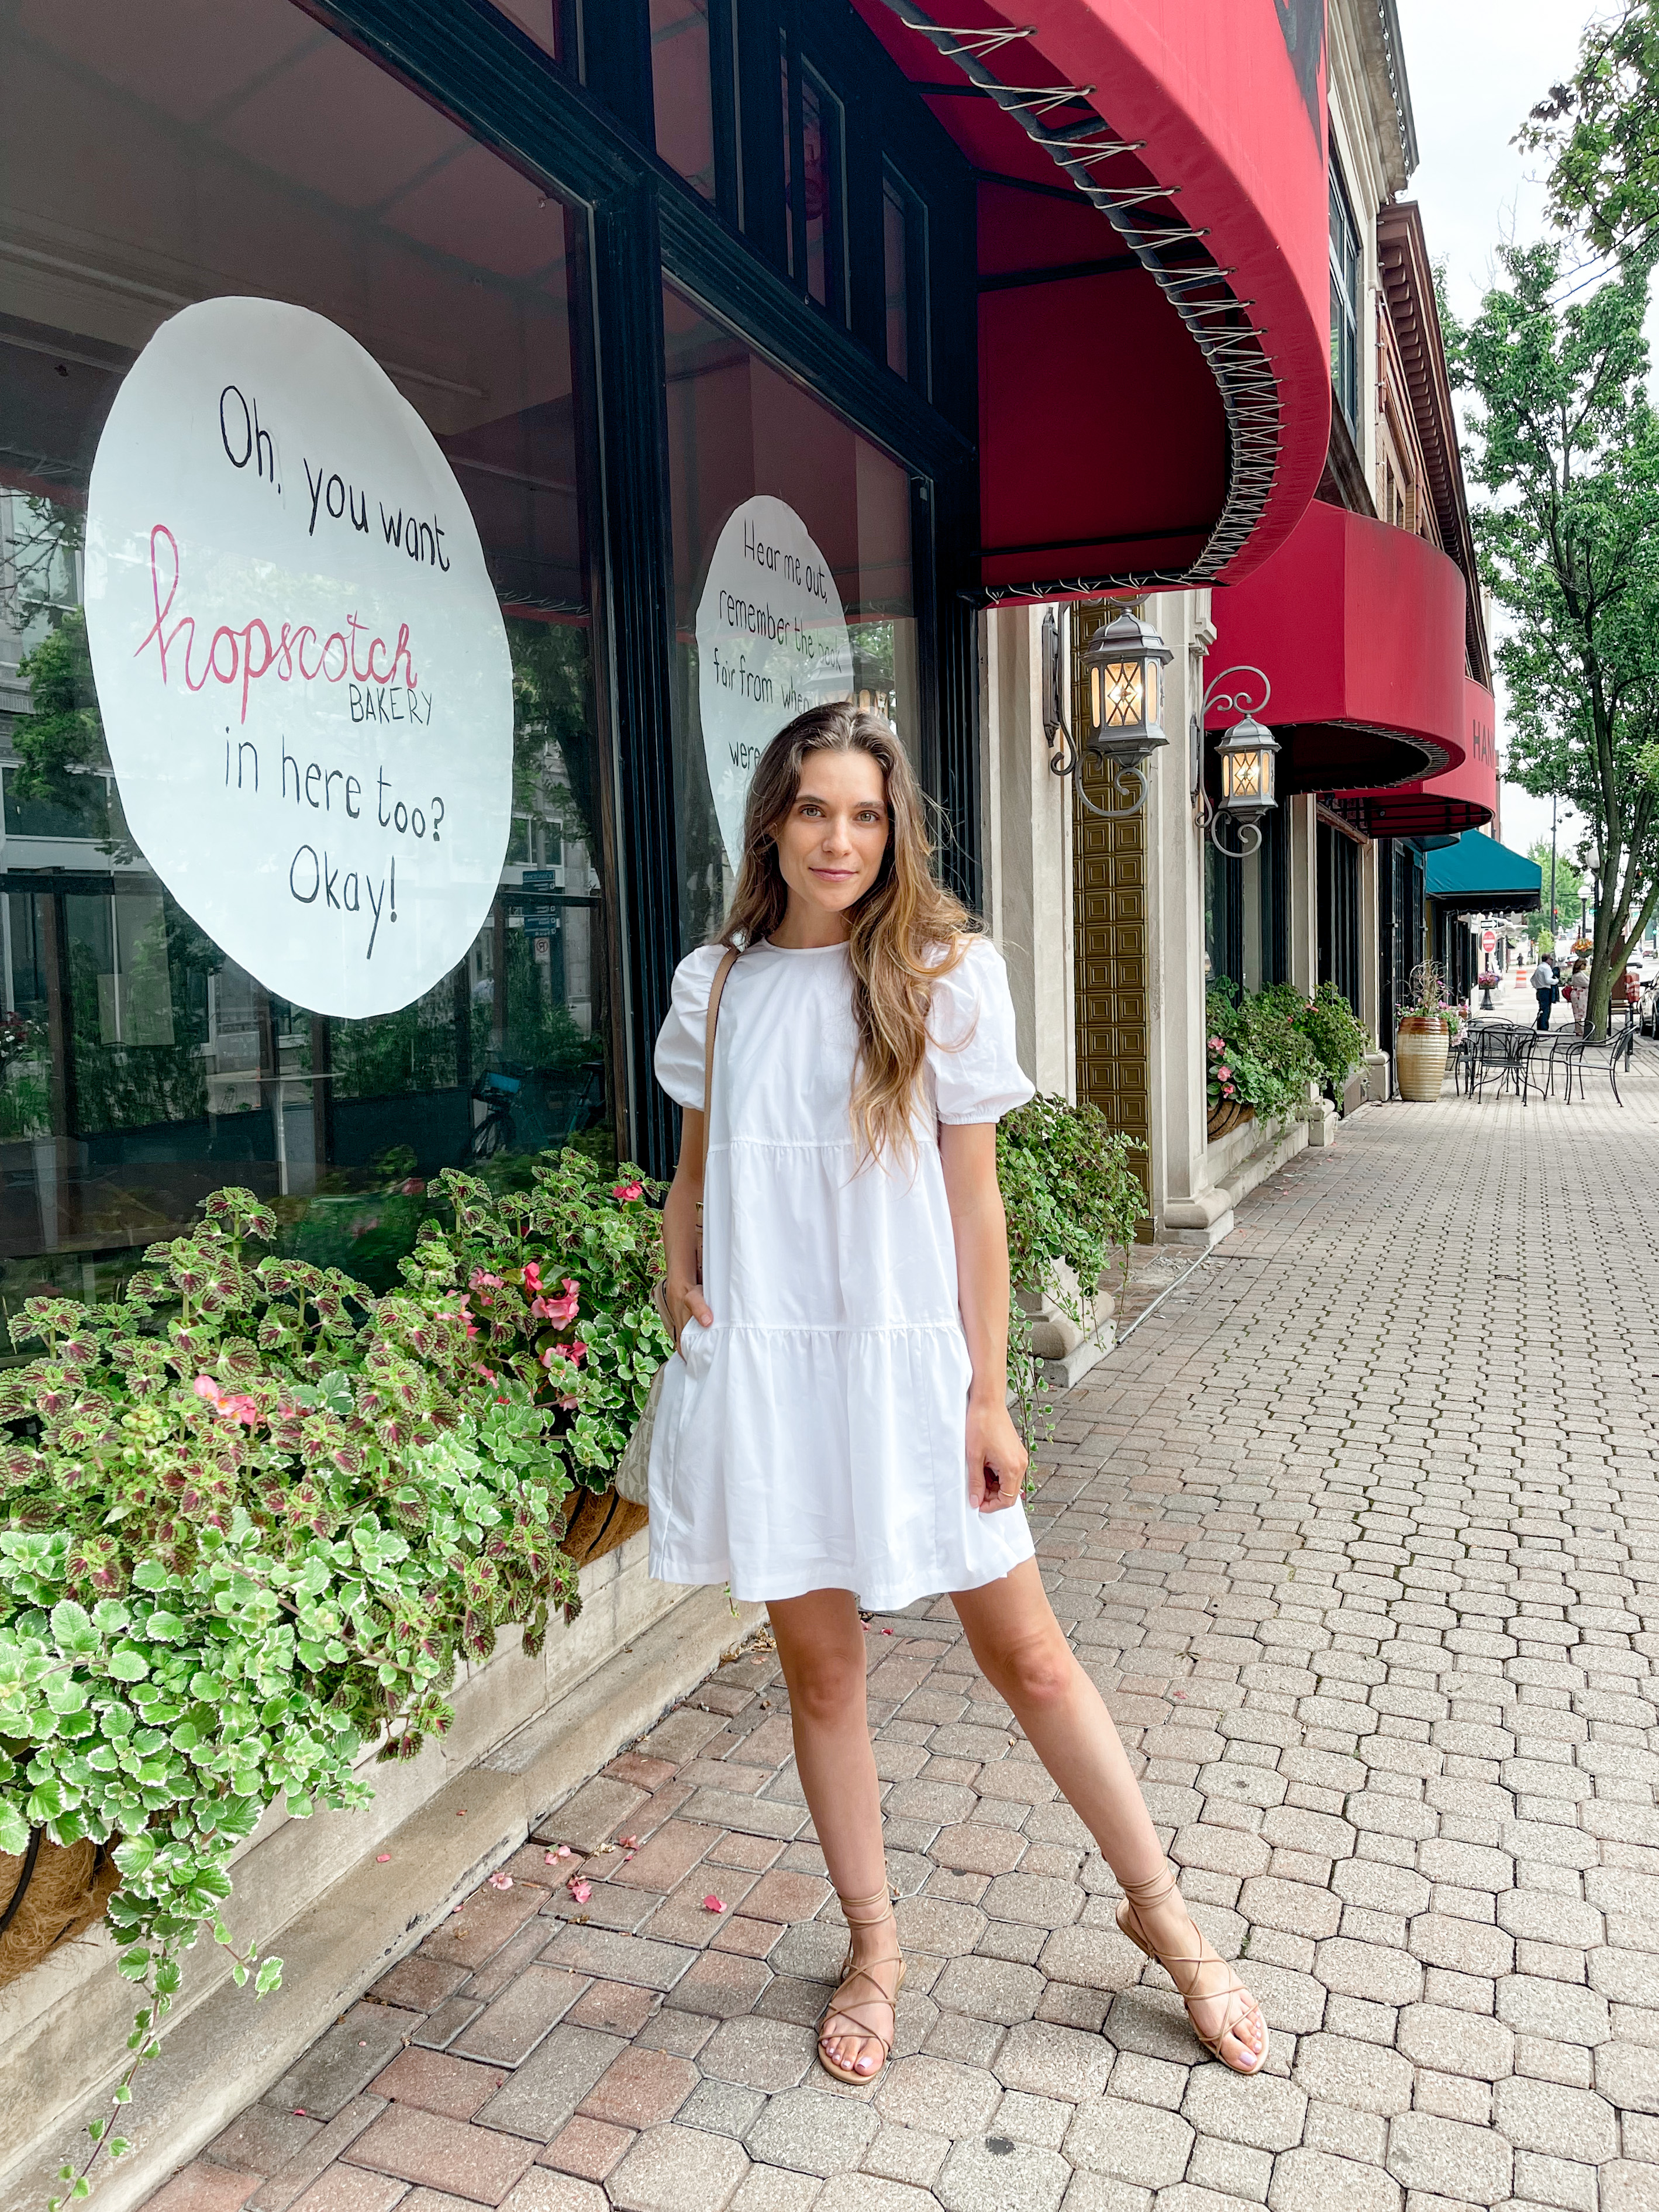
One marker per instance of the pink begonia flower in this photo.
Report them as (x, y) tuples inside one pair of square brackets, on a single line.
[(413, 1188), (533, 1276), (575, 1351), (712, 1904), (628, 1843), (1224, 1072), (626, 1190), (565, 1851), (581, 1890), (1216, 1045), (489, 1373), (560, 1311), (500, 1879), (482, 1280)]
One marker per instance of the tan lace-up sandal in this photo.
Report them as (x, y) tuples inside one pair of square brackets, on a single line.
[(863, 1913), (1248, 2028)]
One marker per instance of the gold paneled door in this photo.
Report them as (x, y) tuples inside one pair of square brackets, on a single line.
[(1113, 977)]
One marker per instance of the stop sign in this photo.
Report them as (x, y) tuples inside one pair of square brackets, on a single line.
[(1488, 940)]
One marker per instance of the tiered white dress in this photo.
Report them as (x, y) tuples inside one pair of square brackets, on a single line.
[(813, 1437)]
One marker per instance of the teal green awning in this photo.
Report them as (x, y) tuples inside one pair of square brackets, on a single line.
[(1477, 875)]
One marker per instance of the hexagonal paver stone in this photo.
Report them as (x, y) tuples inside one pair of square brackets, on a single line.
[(1561, 2123), (672, 2169), (1138, 2143), (1453, 2042), (989, 1988), (1316, 2181), (1627, 2075), (999, 2175), (1357, 2075), (864, 2192), (1376, 1971), (1446, 2158), (759, 2053), (1054, 2062), (1259, 2111), (1629, 2186), (813, 2132), (1562, 2012), (975, 1847), (931, 2093)]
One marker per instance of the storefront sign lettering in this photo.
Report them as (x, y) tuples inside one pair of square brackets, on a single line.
[(772, 640), (289, 641)]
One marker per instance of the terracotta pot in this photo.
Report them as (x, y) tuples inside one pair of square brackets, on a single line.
[(597, 1524), (1226, 1114), (49, 1894), (1421, 1044)]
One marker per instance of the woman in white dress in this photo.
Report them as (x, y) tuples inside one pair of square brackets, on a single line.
[(834, 1429)]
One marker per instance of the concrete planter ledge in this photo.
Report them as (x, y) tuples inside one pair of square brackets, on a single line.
[(526, 1734)]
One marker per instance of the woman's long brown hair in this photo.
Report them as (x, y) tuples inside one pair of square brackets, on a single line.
[(906, 931)]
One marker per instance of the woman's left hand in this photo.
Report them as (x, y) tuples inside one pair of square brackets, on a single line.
[(997, 1460)]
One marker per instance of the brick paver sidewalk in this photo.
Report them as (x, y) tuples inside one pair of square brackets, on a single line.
[(1374, 1603)]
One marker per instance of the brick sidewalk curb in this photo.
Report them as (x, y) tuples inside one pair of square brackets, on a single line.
[(232, 2048)]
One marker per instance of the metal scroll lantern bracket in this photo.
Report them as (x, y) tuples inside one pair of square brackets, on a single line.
[(1125, 644), (1247, 759)]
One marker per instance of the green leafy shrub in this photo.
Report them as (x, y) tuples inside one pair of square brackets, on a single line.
[(256, 1516), (1339, 1040), (1072, 1200), (1256, 1038)]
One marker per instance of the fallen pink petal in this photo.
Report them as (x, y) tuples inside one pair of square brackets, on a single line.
[(500, 1880), (381, 1857), (565, 1851), (712, 1904), (581, 1890)]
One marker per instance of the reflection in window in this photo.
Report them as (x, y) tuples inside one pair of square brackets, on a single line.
[(681, 90), (904, 261), (1345, 298), (736, 427), (822, 167), (139, 1066)]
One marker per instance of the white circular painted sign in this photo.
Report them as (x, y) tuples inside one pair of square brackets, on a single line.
[(301, 665), (771, 643)]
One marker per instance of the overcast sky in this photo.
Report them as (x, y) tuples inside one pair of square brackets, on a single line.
[(1475, 67)]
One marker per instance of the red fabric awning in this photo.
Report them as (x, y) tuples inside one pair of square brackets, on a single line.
[(1463, 797), (1359, 627), (1140, 422)]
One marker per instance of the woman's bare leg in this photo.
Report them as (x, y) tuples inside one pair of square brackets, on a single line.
[(821, 1647), (1023, 1655)]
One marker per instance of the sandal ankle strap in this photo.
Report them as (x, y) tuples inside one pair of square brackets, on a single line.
[(860, 1912), (1154, 1889)]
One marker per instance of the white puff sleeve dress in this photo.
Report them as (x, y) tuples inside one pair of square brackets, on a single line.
[(814, 1436)]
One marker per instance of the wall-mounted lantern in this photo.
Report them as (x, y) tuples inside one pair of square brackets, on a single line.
[(1245, 755), (1123, 666)]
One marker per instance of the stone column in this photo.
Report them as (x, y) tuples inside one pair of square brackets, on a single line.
[(1028, 849), (1304, 826), (1186, 1208)]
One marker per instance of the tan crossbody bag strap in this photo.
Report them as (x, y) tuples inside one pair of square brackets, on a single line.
[(716, 991)]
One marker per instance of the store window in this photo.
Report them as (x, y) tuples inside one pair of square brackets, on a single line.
[(792, 582), (904, 263), (823, 168), (682, 87), (1346, 274), (172, 154)]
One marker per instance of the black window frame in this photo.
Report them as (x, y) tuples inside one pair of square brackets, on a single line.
[(587, 131), (1347, 265)]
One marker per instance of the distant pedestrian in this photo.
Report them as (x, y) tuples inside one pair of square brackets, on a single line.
[(1578, 995), (1543, 982)]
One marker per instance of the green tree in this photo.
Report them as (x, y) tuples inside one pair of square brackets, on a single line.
[(1570, 893), (63, 732), (1601, 132), (1566, 442)]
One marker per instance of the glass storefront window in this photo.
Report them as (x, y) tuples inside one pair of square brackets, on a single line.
[(681, 90), (905, 263), (822, 169), (739, 427), (155, 157)]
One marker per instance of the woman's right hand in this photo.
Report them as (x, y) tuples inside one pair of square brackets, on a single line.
[(687, 1303)]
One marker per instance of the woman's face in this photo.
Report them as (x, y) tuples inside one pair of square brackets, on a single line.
[(831, 842)]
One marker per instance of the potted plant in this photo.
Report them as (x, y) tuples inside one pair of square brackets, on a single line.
[(1225, 1107), (256, 1515), (1423, 1037), (1488, 979)]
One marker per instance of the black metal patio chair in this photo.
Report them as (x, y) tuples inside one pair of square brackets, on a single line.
[(1573, 1053)]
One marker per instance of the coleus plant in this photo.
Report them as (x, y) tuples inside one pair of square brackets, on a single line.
[(256, 1516)]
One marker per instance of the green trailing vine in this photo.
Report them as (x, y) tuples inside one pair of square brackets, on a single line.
[(1072, 1200), (256, 1515)]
